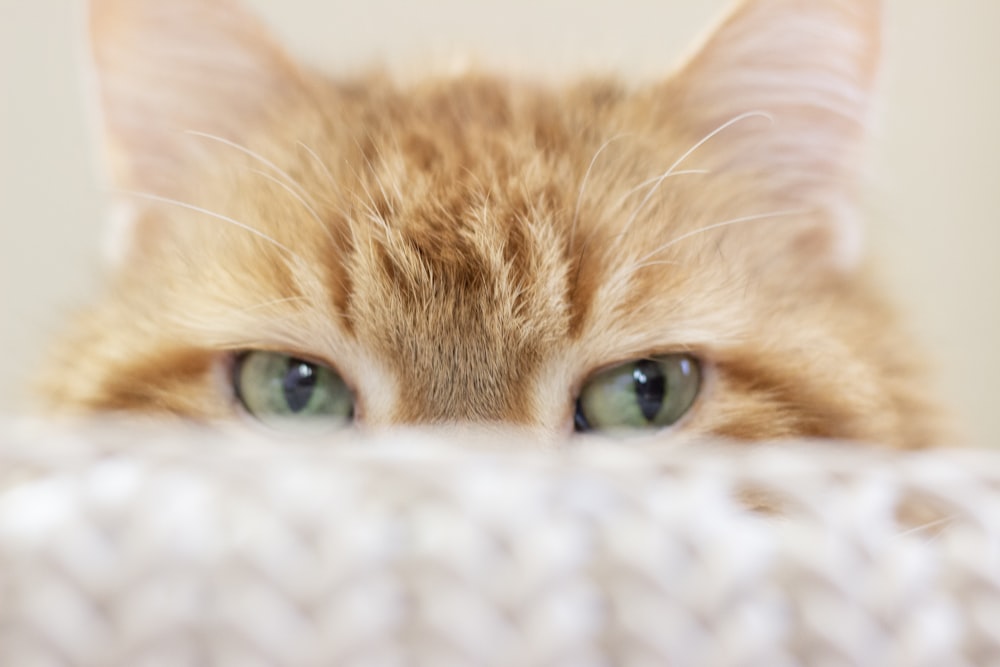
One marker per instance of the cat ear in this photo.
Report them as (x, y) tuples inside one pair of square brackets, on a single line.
[(786, 88), (166, 69)]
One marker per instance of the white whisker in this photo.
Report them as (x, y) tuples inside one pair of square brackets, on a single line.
[(369, 208), (212, 214), (654, 179), (256, 156), (322, 165), (701, 142), (300, 199), (627, 273), (583, 184), (717, 225)]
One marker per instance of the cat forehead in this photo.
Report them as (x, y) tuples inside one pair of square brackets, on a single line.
[(449, 211), (455, 181), (480, 131), (471, 202)]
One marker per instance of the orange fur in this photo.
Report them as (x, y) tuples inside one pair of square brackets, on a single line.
[(472, 248)]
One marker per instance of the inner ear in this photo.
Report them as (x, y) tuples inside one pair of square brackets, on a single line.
[(782, 89), (808, 68), (166, 68)]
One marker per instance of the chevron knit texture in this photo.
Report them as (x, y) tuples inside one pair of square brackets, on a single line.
[(134, 547)]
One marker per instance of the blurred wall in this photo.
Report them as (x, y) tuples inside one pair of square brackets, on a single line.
[(937, 159)]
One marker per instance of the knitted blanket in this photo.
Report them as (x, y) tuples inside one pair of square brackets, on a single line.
[(153, 546)]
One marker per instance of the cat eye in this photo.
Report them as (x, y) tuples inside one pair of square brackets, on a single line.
[(647, 394), (289, 393)]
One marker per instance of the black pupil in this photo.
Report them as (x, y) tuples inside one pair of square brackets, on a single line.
[(299, 384), (650, 386)]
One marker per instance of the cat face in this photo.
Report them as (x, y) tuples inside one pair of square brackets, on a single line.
[(478, 249)]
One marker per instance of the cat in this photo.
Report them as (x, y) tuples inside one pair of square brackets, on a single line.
[(681, 257)]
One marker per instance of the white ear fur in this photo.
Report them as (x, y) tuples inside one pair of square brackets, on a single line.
[(166, 68), (810, 67)]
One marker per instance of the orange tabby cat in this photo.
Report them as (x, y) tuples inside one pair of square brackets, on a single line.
[(317, 252)]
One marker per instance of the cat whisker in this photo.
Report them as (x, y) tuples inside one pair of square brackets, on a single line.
[(655, 183), (718, 225), (701, 142), (622, 201), (256, 156), (319, 162), (654, 179), (627, 273), (212, 214), (300, 199), (583, 184)]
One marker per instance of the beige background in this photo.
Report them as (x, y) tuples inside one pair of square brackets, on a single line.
[(937, 159)]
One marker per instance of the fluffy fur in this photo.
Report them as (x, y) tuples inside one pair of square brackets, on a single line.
[(471, 249)]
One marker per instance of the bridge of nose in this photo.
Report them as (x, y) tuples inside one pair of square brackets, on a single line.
[(465, 378)]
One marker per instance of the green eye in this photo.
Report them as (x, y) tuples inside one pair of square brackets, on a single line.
[(287, 392), (645, 394)]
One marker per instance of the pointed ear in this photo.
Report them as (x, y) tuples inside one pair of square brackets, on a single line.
[(164, 68), (791, 83)]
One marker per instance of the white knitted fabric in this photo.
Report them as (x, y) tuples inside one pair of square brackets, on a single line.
[(178, 549)]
